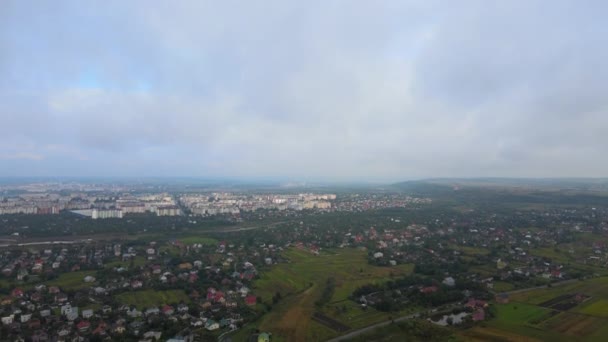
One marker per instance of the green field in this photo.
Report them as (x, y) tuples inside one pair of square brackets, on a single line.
[(189, 240), (301, 282), (149, 298), (523, 317), (574, 326), (596, 287), (72, 281), (562, 255), (515, 322), (138, 261), (514, 314), (471, 251), (411, 330), (92, 306), (503, 286), (554, 254), (597, 308), (484, 333), (484, 270)]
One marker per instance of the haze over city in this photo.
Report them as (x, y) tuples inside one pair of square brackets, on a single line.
[(317, 90)]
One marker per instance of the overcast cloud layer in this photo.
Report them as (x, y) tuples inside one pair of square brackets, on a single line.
[(307, 90)]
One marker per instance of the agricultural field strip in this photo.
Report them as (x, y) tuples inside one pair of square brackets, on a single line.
[(294, 280), (584, 317)]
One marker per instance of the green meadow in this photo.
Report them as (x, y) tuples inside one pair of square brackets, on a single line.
[(149, 298), (301, 283)]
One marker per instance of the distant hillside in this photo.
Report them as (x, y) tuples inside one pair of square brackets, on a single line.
[(424, 188), (503, 191), (586, 184)]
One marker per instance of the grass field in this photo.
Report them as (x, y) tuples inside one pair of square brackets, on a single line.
[(551, 253), (503, 286), (149, 298), (587, 321), (471, 251), (92, 306), (514, 322), (513, 314), (484, 271), (189, 240), (596, 308), (301, 283), (72, 281), (562, 255), (483, 334), (575, 325), (600, 334), (596, 287), (411, 330), (138, 261)]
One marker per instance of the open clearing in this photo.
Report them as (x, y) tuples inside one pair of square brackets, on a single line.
[(513, 314), (189, 240), (597, 308), (72, 281), (150, 298), (483, 334), (137, 261), (575, 325), (301, 282), (577, 311)]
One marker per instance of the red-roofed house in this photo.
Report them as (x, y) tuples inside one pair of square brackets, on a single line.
[(192, 278), (218, 296), (476, 303), (250, 300), (83, 326), (101, 329), (168, 310), (17, 293), (429, 289), (210, 293), (479, 315)]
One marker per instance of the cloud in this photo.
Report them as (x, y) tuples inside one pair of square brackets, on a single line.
[(315, 90), (21, 156)]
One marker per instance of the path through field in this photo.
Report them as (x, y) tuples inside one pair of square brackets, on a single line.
[(292, 318)]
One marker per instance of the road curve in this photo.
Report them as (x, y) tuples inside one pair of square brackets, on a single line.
[(401, 319), (372, 327)]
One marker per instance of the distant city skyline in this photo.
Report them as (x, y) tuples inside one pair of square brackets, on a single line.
[(342, 91)]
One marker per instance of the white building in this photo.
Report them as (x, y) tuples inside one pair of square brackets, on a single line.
[(449, 281), (106, 213), (168, 210)]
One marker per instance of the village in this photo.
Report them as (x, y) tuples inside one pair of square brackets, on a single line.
[(110, 290), (449, 267)]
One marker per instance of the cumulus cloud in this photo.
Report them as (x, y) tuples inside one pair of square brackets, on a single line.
[(341, 90)]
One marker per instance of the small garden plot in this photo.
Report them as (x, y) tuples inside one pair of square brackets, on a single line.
[(564, 302)]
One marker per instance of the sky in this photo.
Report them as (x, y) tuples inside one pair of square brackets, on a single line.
[(304, 90)]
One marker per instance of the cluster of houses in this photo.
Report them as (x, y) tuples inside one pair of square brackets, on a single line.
[(373, 201), (73, 292), (46, 302), (512, 255)]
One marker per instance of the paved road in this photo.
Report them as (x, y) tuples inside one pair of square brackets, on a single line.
[(239, 229), (75, 239), (372, 327), (564, 282), (401, 319)]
